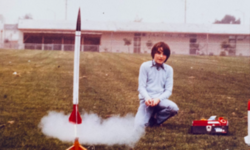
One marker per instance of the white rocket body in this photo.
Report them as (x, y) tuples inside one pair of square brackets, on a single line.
[(76, 67)]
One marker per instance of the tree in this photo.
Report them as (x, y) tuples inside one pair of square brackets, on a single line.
[(6, 41), (228, 19), (138, 19), (127, 42), (26, 16), (225, 45), (149, 44)]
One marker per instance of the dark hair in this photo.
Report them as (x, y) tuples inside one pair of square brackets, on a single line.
[(166, 49)]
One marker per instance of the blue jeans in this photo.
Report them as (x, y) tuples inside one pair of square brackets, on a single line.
[(161, 112)]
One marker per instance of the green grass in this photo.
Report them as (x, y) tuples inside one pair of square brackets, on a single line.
[(203, 86)]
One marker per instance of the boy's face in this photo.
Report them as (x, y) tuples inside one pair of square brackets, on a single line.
[(159, 57)]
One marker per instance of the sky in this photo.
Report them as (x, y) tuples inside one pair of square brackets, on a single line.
[(154, 11)]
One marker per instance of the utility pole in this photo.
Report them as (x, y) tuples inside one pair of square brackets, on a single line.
[(185, 11), (66, 9)]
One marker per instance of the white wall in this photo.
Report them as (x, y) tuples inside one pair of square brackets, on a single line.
[(243, 46), (20, 39), (11, 35), (178, 43), (113, 42)]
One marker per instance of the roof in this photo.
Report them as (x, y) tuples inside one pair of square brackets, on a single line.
[(10, 27), (63, 25)]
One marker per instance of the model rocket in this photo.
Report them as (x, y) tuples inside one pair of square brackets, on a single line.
[(75, 116), (247, 138)]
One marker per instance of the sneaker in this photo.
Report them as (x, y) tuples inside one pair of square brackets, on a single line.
[(152, 122)]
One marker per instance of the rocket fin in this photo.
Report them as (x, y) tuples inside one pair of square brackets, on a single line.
[(75, 116)]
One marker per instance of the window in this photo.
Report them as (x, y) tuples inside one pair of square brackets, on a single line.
[(240, 37), (137, 42)]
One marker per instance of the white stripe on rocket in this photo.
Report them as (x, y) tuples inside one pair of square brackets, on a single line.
[(76, 67)]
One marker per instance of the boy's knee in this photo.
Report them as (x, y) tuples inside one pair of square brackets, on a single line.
[(174, 112), (176, 109)]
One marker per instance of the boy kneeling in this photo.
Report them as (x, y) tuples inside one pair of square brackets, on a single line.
[(155, 87)]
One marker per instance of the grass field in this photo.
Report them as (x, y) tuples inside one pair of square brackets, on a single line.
[(203, 86)]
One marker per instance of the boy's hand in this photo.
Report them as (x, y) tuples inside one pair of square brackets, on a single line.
[(155, 101), (152, 102), (148, 102)]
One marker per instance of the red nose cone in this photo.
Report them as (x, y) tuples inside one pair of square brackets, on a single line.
[(248, 107), (75, 116)]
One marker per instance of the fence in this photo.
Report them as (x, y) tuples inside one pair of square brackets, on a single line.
[(185, 48), (59, 47)]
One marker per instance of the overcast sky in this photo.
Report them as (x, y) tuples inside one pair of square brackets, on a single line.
[(168, 11)]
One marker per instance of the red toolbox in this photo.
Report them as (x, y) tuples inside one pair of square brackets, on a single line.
[(210, 126)]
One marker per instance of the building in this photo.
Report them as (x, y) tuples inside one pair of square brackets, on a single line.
[(11, 36), (1, 32), (136, 37), (11, 33)]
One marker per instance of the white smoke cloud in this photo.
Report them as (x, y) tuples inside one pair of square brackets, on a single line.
[(93, 130)]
